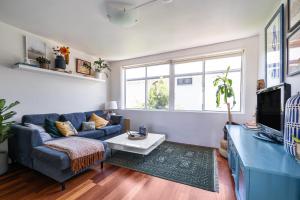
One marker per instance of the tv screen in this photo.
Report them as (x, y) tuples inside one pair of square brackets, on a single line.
[(269, 109)]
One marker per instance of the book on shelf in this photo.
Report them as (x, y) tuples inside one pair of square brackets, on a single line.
[(252, 125)]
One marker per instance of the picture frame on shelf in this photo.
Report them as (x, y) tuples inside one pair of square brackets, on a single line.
[(34, 48), (274, 49), (293, 14), (293, 53), (82, 67)]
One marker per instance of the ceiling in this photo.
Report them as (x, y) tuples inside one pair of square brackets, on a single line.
[(82, 24)]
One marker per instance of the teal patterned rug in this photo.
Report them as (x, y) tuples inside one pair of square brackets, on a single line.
[(188, 164)]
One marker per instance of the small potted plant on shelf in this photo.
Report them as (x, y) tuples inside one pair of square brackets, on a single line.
[(62, 57), (101, 67), (43, 62), (5, 125)]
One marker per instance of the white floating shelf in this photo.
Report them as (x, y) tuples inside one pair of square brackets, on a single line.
[(51, 72)]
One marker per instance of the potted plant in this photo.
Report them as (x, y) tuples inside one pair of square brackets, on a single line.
[(101, 67), (43, 62), (225, 92), (5, 125)]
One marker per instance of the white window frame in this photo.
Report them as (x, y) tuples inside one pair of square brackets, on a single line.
[(190, 74), (146, 78), (172, 77)]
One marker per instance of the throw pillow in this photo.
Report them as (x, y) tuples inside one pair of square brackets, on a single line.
[(44, 135), (99, 121), (72, 127), (88, 126), (50, 128), (66, 128)]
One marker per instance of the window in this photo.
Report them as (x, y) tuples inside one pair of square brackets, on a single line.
[(216, 67), (189, 86), (147, 87), (188, 96)]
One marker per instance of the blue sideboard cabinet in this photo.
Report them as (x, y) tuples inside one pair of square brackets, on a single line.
[(261, 170)]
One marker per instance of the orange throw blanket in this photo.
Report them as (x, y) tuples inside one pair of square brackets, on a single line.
[(82, 152)]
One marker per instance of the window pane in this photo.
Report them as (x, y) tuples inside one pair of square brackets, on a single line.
[(158, 70), (189, 67), (222, 63), (133, 73), (210, 92), (188, 93), (135, 94), (158, 94)]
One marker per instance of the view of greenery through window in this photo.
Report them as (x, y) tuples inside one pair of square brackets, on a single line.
[(158, 96), (149, 87)]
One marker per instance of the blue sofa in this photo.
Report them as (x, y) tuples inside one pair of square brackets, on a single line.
[(26, 146)]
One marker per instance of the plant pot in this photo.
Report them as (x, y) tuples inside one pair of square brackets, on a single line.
[(44, 66), (99, 75), (60, 62), (3, 162)]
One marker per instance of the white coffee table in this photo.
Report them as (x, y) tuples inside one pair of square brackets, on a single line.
[(143, 147)]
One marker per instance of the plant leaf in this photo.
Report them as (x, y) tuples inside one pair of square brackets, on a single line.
[(218, 96), (8, 115), (2, 103), (10, 106), (225, 88)]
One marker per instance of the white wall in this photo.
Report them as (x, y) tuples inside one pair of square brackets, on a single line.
[(198, 128), (293, 80), (43, 93)]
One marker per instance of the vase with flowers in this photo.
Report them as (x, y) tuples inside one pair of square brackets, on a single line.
[(101, 68), (62, 56)]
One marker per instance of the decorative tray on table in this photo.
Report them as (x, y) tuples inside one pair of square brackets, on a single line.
[(134, 135)]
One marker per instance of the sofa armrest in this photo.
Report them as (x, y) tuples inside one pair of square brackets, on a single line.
[(117, 119), (21, 142), (54, 158)]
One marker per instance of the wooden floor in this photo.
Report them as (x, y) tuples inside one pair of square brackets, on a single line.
[(110, 183)]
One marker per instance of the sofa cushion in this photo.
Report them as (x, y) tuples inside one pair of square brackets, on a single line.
[(39, 119), (99, 121), (57, 159), (116, 119), (51, 128), (88, 126), (111, 129), (75, 118), (44, 135), (94, 134), (100, 113), (66, 128)]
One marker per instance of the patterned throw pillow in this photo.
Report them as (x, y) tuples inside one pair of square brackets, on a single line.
[(66, 128), (99, 121), (44, 135), (88, 126)]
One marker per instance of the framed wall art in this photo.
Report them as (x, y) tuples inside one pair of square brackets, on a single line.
[(293, 53), (34, 48), (293, 14), (274, 49), (83, 67)]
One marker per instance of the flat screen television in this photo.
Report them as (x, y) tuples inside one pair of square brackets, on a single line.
[(270, 110)]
